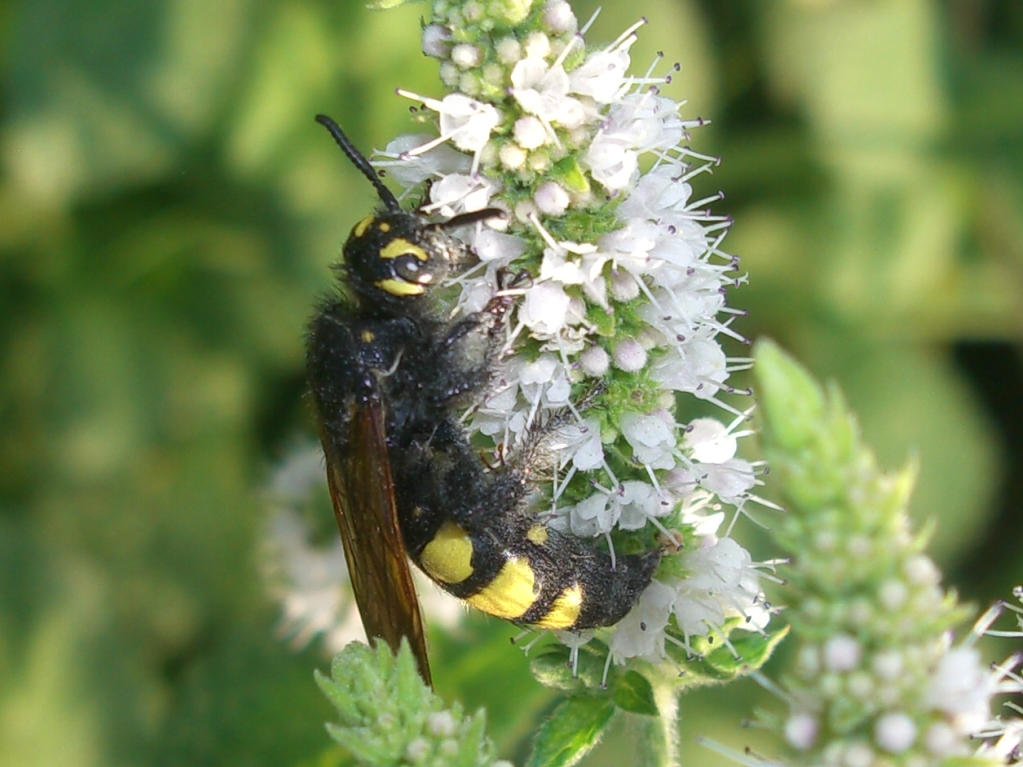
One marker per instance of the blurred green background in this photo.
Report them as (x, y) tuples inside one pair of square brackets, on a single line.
[(168, 210)]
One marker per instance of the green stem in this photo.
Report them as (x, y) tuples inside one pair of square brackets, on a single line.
[(662, 730)]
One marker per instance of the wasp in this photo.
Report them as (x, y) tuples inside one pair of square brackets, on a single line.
[(389, 374)]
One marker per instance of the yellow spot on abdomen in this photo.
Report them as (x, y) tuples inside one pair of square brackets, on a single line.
[(565, 610), (384, 226), (511, 592), (360, 228), (368, 336), (537, 534), (448, 556)]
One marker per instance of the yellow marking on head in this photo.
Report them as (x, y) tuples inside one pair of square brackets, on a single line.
[(360, 228), (384, 226), (368, 336), (565, 610), (537, 534), (399, 287), (399, 246), (510, 594), (448, 556)]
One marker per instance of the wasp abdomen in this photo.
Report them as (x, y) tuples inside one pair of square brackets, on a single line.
[(516, 568)]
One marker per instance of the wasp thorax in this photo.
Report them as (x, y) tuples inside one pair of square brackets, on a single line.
[(397, 254)]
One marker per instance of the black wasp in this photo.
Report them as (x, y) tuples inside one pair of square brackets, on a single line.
[(388, 375)]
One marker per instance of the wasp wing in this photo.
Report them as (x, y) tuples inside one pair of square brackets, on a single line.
[(362, 492)]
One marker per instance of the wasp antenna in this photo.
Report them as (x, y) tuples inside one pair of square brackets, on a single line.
[(360, 162), (470, 218)]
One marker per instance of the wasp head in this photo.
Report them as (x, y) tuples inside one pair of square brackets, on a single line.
[(397, 255)]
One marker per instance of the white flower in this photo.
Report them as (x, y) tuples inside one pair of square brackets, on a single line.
[(630, 297), (497, 247), (630, 507), (530, 133), (658, 193), (961, 687), (602, 75), (513, 156), (623, 286), (436, 40), (730, 480), (698, 366), (652, 437), (544, 308), (464, 121), (580, 443), (551, 198), (558, 17), (723, 583), (557, 266), (508, 50), (466, 56), (842, 653), (499, 417), (457, 193), (646, 121), (594, 361), (894, 732), (638, 502), (801, 730), (629, 248), (537, 45), (593, 516), (629, 355), (700, 509), (641, 632), (309, 583), (309, 580), (708, 441), (411, 170), (541, 89), (611, 160), (545, 376), (638, 122)]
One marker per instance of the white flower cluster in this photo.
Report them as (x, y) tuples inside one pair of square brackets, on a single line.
[(1002, 736), (311, 580), (630, 292), (926, 701)]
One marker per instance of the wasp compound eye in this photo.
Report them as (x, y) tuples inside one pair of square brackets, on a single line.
[(404, 268), (411, 269)]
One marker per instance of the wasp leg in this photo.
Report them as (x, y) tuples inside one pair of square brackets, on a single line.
[(527, 456), (476, 337), (489, 318)]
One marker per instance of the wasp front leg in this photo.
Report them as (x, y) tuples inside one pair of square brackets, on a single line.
[(469, 349)]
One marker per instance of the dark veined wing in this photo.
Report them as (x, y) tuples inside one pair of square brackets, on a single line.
[(362, 492)]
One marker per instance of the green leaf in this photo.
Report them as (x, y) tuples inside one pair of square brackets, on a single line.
[(633, 693), (575, 727), (715, 661), (971, 761), (553, 668), (571, 175), (791, 403), (751, 652), (385, 709), (604, 321)]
